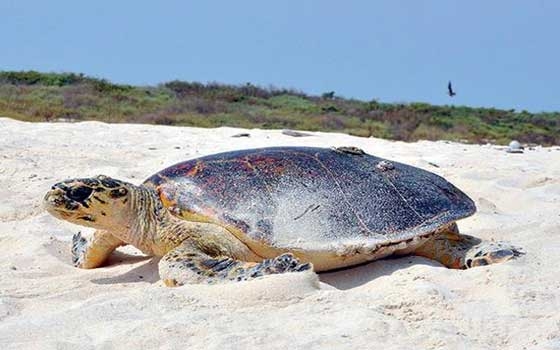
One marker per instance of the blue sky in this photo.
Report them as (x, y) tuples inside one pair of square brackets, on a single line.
[(498, 53)]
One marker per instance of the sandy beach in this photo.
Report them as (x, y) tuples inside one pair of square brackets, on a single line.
[(404, 303)]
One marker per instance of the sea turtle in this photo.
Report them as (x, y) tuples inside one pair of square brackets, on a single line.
[(239, 215)]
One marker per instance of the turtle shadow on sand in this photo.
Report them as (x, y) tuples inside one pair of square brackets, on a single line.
[(147, 272), (342, 279), (356, 276), (122, 258)]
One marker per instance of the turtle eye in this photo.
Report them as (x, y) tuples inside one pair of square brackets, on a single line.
[(121, 192), (80, 193)]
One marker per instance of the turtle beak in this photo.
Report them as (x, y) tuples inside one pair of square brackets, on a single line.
[(67, 198)]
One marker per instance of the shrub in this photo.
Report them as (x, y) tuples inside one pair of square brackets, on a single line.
[(36, 96)]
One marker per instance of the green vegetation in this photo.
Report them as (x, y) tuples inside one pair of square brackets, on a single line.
[(34, 96)]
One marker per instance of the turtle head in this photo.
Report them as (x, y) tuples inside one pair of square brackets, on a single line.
[(100, 202)]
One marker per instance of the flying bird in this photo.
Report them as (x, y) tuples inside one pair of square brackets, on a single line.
[(450, 90)]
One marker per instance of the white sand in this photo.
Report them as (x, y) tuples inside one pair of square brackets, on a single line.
[(402, 303)]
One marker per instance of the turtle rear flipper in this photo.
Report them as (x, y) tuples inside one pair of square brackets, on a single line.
[(488, 252), (458, 251), (187, 264)]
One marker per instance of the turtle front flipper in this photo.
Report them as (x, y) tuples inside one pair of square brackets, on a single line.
[(189, 265), (458, 251), (92, 253)]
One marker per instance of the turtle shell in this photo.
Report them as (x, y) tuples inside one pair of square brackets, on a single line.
[(305, 198)]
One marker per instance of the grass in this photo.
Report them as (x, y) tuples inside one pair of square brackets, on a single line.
[(35, 96)]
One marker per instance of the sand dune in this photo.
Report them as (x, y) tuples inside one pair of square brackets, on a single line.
[(409, 302)]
